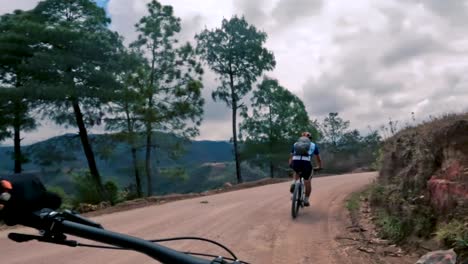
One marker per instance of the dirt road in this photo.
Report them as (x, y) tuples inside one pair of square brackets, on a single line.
[(255, 223)]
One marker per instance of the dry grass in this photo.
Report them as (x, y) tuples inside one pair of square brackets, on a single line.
[(432, 125)]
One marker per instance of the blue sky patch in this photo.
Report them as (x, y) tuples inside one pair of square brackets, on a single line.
[(102, 3)]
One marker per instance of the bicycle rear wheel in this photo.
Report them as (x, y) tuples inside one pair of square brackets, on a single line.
[(296, 200)]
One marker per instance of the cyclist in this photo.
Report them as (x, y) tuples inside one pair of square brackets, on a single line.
[(300, 161)]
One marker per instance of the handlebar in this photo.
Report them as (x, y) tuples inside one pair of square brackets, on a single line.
[(27, 202), (53, 227)]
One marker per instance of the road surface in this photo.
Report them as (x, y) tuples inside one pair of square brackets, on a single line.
[(255, 223)]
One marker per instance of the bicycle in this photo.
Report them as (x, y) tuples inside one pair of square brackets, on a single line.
[(299, 194), (53, 227)]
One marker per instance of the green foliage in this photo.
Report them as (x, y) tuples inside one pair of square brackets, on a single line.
[(392, 227), (346, 150), (278, 117), (87, 191), (126, 109), (453, 234), (423, 221), (352, 204), (15, 48), (18, 32), (172, 88), (4, 133), (350, 141), (112, 191), (67, 201), (72, 70), (334, 128), (74, 61), (377, 194), (236, 53), (377, 164), (397, 218), (127, 105)]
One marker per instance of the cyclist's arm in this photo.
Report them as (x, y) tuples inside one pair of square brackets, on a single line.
[(317, 157), (319, 160), (291, 156)]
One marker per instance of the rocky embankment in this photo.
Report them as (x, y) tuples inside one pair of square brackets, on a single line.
[(423, 183)]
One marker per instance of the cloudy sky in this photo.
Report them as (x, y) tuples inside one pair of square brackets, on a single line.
[(369, 60)]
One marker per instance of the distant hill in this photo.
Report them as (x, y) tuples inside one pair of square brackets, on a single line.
[(203, 164)]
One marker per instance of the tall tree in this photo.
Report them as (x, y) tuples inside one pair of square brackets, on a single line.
[(126, 108), (333, 128), (173, 84), (16, 43), (278, 117), (237, 54), (73, 67)]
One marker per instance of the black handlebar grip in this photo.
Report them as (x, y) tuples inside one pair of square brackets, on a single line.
[(21, 237)]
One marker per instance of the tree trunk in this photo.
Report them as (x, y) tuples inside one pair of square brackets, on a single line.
[(270, 140), (17, 144), (131, 134), (149, 129), (149, 183), (18, 113), (87, 149), (271, 169), (234, 130), (236, 152), (137, 172)]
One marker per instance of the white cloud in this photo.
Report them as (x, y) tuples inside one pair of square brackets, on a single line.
[(368, 59), (8, 6)]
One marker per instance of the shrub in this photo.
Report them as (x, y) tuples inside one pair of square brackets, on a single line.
[(376, 194), (453, 234), (352, 204), (112, 191), (87, 191), (393, 228), (67, 202)]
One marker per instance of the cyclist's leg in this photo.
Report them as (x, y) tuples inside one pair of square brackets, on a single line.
[(307, 182), (307, 178), (308, 187), (296, 172), (293, 183)]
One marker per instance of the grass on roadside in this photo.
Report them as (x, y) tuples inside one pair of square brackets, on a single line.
[(353, 202), (454, 235)]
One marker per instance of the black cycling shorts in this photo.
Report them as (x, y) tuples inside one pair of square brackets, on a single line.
[(303, 168)]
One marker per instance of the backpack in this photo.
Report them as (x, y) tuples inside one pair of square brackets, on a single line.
[(302, 146)]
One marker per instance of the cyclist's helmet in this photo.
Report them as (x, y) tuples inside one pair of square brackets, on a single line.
[(307, 134)]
